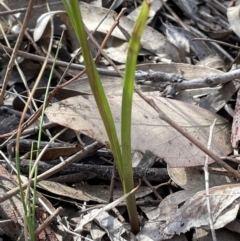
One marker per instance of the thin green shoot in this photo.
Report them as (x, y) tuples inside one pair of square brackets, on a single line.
[(126, 116), (31, 216), (122, 156), (29, 210)]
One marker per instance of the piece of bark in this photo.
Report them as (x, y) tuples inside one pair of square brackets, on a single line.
[(103, 172)]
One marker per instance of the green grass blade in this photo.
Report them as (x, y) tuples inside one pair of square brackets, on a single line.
[(129, 79), (123, 162), (94, 81)]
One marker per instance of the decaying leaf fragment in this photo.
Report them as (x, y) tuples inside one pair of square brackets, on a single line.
[(233, 18), (235, 126), (224, 204), (193, 213), (149, 133)]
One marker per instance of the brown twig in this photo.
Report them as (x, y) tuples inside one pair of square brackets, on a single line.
[(86, 151), (217, 41), (108, 35), (197, 143), (21, 10), (153, 189), (48, 221), (118, 214), (179, 21), (59, 63)]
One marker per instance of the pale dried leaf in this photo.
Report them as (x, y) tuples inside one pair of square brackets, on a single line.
[(149, 133), (192, 178), (42, 24), (94, 213), (96, 232), (193, 213), (233, 18), (222, 235), (235, 136), (151, 39), (97, 193), (116, 48), (151, 232), (114, 228), (168, 204), (184, 40), (66, 191), (224, 208), (218, 98)]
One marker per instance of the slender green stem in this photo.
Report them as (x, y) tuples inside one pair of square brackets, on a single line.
[(122, 156), (129, 80)]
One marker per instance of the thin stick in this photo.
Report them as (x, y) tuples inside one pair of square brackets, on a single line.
[(86, 151), (51, 61), (214, 237), (174, 15), (197, 143), (48, 221), (21, 10), (217, 41), (153, 189)]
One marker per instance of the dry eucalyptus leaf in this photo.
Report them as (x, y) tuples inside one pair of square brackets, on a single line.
[(218, 98), (167, 205), (184, 40), (66, 191), (224, 208), (222, 235), (116, 48), (42, 24), (96, 232), (233, 18), (192, 178), (113, 227), (149, 133), (193, 213), (54, 153), (97, 193), (151, 39), (95, 212)]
